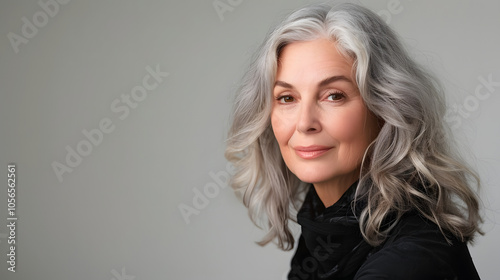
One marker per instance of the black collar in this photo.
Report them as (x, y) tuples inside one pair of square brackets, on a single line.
[(332, 235)]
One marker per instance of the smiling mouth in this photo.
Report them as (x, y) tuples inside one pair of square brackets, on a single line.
[(311, 152)]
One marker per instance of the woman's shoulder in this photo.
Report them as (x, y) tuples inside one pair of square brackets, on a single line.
[(417, 249)]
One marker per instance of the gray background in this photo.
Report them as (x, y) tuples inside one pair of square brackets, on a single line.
[(116, 215)]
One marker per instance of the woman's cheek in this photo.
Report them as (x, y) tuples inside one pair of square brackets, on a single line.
[(279, 124), (282, 122), (347, 126)]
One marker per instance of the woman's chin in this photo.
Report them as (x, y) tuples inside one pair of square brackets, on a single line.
[(313, 178)]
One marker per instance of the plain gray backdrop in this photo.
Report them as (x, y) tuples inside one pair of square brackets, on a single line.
[(113, 210)]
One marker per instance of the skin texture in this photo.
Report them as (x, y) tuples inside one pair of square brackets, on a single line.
[(317, 103)]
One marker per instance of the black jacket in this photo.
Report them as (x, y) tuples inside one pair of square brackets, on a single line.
[(331, 247)]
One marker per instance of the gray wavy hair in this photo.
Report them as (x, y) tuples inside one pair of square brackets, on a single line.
[(411, 165)]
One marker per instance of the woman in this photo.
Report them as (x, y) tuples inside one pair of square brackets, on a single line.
[(335, 119)]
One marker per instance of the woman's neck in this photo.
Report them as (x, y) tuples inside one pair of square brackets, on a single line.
[(331, 191)]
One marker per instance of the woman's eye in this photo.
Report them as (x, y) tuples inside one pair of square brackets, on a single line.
[(285, 99), (335, 96)]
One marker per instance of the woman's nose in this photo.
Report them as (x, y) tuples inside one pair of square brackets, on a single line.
[(308, 117)]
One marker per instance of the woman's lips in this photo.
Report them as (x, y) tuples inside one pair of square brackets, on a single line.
[(311, 152)]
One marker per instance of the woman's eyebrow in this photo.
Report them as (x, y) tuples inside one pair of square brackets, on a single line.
[(283, 84), (332, 79), (323, 83)]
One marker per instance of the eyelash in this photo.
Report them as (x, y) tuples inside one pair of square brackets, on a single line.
[(340, 94), (281, 98)]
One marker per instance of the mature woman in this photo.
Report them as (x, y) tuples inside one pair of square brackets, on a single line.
[(335, 119)]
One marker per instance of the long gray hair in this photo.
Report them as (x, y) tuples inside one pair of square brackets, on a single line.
[(411, 165)]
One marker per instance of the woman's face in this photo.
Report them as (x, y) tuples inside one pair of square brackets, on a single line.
[(318, 117)]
